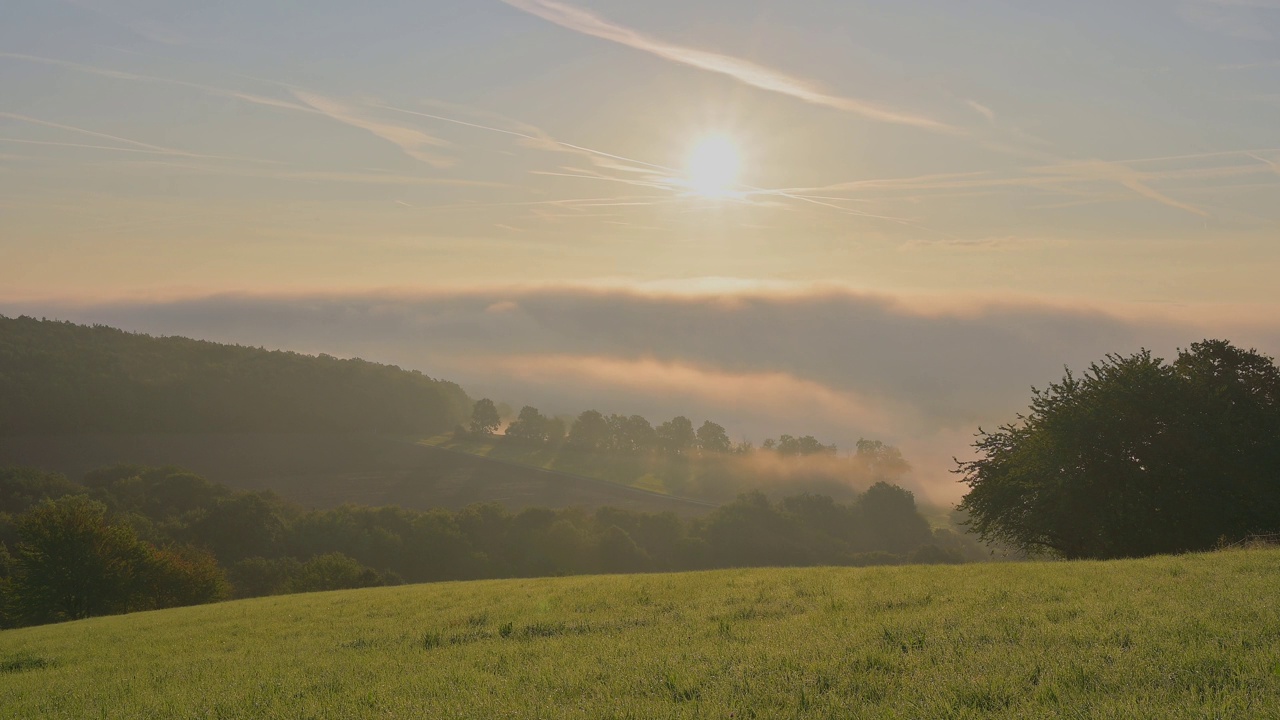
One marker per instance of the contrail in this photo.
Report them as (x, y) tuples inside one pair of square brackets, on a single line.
[(543, 139), (744, 71), (138, 145)]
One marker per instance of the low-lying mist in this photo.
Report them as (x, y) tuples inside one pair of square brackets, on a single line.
[(835, 364)]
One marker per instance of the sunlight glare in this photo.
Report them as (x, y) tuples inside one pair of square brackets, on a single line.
[(713, 166)]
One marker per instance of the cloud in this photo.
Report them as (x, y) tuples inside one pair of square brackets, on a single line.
[(762, 361), (744, 71), (753, 393)]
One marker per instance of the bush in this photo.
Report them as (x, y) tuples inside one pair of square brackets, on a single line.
[(259, 576), (178, 576), (334, 571)]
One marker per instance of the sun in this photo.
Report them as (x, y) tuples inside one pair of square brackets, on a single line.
[(713, 166)]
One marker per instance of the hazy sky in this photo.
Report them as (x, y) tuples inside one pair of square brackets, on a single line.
[(1120, 156)]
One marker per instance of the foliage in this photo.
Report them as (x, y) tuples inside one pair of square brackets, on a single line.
[(1136, 457), (58, 377), (676, 436), (1168, 638), (532, 426), (713, 438), (22, 488), (807, 445), (333, 571), (590, 431), (72, 563), (175, 576), (884, 461), (193, 529), (484, 417)]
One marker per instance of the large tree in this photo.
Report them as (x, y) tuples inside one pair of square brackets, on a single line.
[(1136, 456)]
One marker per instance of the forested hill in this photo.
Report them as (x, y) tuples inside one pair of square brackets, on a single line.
[(58, 377)]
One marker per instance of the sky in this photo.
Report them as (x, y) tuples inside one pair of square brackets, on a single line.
[(937, 205)]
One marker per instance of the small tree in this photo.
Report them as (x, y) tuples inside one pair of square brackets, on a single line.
[(553, 431), (590, 431), (888, 514), (677, 435), (484, 417), (807, 445), (713, 438), (530, 425), (333, 571), (884, 462)]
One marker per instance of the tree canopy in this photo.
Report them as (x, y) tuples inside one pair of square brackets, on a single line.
[(131, 538), (484, 417), (1136, 456)]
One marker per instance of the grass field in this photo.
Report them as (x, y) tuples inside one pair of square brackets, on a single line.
[(1195, 636)]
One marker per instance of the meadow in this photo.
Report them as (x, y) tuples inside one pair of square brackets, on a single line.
[(1191, 636)]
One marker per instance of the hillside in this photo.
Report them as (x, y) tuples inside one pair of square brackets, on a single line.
[(709, 477), (318, 430), (326, 470), (61, 378), (1169, 637)]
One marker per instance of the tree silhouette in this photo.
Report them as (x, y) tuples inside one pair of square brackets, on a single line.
[(677, 435), (484, 417), (713, 438), (590, 431)]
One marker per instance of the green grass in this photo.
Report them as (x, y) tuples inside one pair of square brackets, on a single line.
[(1195, 636)]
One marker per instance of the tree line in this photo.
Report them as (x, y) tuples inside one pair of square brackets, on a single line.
[(58, 377), (594, 431), (131, 538)]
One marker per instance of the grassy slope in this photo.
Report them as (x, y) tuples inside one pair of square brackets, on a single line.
[(1177, 637)]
